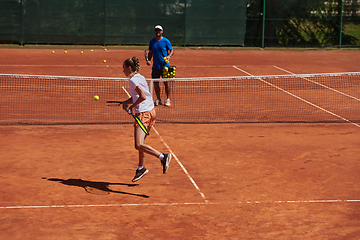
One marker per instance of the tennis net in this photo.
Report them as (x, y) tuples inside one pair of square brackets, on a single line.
[(307, 98)]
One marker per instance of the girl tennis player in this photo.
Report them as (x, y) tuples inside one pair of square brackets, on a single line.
[(141, 101)]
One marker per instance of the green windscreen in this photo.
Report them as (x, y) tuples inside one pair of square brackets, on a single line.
[(185, 22)]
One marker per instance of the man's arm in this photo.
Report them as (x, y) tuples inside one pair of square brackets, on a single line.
[(150, 54), (171, 52)]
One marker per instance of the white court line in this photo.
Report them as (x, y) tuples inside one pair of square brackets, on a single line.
[(319, 84), (179, 204), (295, 96), (46, 65), (178, 161), (118, 66), (182, 166)]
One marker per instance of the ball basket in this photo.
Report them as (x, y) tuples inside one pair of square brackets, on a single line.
[(169, 72)]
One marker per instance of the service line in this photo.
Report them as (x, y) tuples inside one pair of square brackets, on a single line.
[(295, 96), (327, 87)]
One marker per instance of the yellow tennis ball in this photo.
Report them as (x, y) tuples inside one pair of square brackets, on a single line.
[(105, 49), (65, 51), (96, 97), (91, 50), (81, 52), (53, 51), (104, 61)]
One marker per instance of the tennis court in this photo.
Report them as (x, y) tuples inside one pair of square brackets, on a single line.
[(275, 177)]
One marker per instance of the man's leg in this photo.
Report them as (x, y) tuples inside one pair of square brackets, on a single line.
[(157, 90), (155, 74), (167, 91)]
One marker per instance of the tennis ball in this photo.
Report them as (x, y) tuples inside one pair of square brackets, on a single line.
[(105, 49), (65, 51), (53, 51), (81, 52), (104, 61), (96, 97), (91, 50)]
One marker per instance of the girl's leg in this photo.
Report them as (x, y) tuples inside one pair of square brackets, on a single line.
[(141, 158), (141, 146)]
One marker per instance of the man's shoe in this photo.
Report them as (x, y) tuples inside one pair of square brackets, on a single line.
[(168, 103), (157, 102)]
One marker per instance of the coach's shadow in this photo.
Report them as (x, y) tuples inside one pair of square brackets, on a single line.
[(102, 186)]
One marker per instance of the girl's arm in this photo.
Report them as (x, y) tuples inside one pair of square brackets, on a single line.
[(126, 103), (141, 98)]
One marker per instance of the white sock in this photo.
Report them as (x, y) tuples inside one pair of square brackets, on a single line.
[(161, 157), (140, 167)]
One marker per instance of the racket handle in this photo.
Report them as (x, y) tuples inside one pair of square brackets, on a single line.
[(128, 109)]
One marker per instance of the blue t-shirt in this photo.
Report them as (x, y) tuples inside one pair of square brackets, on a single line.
[(160, 50)]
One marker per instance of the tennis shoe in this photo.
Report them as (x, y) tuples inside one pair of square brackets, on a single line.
[(139, 174), (166, 162), (157, 102), (168, 103)]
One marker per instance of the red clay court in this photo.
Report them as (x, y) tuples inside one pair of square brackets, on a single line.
[(226, 181)]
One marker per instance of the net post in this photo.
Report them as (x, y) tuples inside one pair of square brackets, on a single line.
[(21, 23), (104, 24), (341, 22), (263, 28), (151, 87)]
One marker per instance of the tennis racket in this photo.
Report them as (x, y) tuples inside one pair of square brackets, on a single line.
[(114, 103), (141, 124), (146, 56)]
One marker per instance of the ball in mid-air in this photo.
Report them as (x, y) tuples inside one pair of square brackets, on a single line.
[(104, 61), (96, 97)]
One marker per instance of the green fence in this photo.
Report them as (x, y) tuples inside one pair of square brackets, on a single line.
[(186, 22), (260, 23)]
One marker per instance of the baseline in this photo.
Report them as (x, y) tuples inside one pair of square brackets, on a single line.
[(180, 204)]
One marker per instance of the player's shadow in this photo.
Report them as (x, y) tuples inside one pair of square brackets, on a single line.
[(96, 187)]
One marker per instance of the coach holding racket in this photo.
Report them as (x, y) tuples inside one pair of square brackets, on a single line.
[(160, 48), (141, 101)]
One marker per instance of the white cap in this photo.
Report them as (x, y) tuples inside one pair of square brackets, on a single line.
[(158, 27)]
